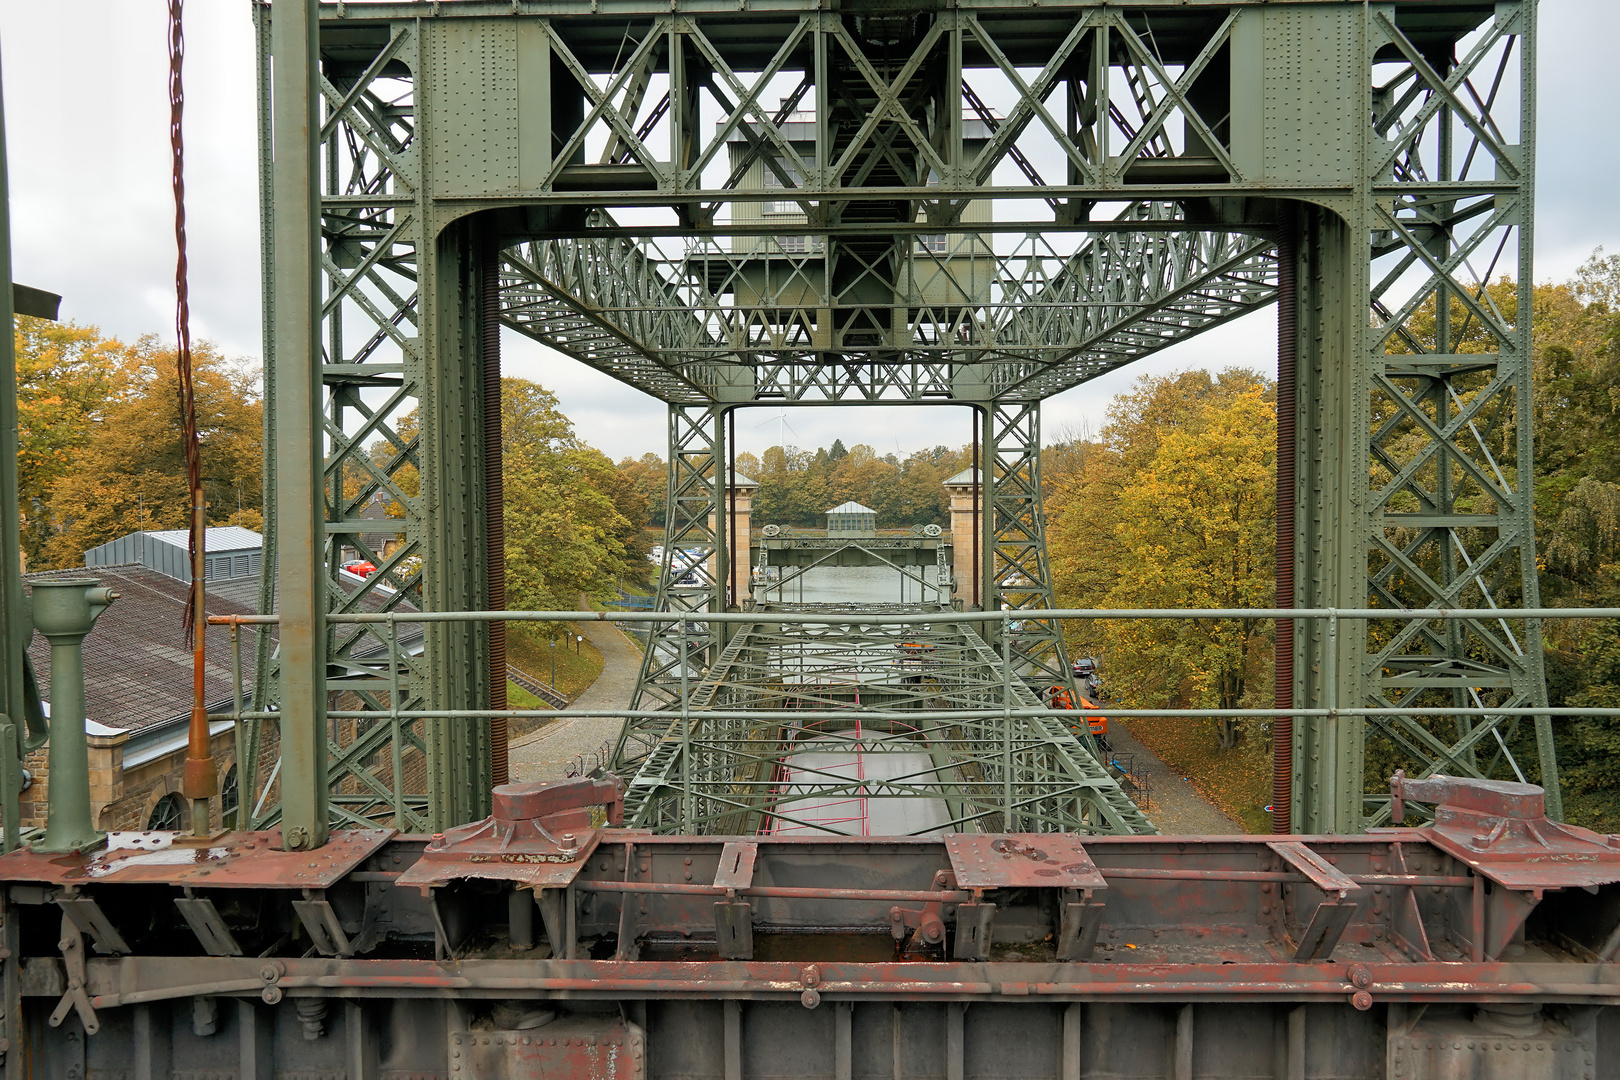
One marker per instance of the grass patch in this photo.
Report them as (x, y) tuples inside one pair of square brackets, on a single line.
[(529, 650), (1237, 780), (519, 698)]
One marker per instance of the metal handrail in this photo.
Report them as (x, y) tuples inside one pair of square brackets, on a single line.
[(919, 618), (1333, 615)]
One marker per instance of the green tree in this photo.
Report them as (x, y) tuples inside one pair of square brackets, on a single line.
[(1173, 506), (569, 511), (129, 474), (649, 475)]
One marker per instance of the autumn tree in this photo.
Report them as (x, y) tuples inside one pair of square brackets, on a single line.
[(64, 376), (649, 476), (129, 473), (1174, 506), (1197, 529)]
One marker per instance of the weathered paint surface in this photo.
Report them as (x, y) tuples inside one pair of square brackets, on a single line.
[(1391, 954)]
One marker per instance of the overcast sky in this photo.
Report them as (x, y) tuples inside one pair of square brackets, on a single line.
[(87, 124)]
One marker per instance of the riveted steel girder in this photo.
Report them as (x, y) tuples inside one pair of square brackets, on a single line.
[(984, 204)]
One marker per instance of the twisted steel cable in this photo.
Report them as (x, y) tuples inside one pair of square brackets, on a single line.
[(182, 312), (201, 778)]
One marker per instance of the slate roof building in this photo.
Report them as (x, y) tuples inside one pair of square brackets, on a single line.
[(138, 672)]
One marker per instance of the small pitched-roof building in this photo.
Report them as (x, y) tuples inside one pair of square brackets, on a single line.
[(137, 682), (851, 519)]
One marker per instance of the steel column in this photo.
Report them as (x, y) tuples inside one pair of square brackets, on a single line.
[(15, 628), (298, 523)]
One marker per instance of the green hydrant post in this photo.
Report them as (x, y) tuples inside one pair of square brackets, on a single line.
[(64, 612)]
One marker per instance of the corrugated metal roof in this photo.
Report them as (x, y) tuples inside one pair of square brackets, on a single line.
[(851, 507), (218, 538)]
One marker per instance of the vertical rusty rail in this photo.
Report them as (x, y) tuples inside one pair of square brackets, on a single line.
[(976, 475), (200, 780), (733, 594), (1282, 779), (494, 501)]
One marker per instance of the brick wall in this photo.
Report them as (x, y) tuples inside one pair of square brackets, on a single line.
[(120, 799)]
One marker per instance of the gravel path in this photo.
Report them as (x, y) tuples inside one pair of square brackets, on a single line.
[(1178, 809), (544, 754)]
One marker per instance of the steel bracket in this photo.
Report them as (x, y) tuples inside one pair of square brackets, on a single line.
[(205, 921), (1322, 936), (77, 997), (1077, 929), (973, 929), (325, 929), (88, 916), (734, 929)]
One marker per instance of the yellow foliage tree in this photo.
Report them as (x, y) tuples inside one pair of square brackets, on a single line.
[(129, 474), (1173, 506), (64, 375), (1197, 529)]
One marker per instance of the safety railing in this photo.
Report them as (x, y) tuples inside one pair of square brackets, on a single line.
[(1333, 616), (1012, 703)]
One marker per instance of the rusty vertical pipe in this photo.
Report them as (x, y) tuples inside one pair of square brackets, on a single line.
[(975, 475), (731, 509), (489, 328), (1282, 780)]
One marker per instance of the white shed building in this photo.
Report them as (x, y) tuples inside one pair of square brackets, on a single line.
[(230, 552)]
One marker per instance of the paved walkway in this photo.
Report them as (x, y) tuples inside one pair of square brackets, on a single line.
[(1178, 809), (545, 754)]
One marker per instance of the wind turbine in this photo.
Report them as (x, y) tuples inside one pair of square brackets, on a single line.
[(781, 429)]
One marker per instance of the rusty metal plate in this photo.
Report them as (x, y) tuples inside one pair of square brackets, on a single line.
[(533, 868), (1323, 874), (577, 1046), (237, 860), (1022, 860), (1553, 857), (736, 869)]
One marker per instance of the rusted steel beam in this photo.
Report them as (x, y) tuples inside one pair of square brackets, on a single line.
[(1492, 924)]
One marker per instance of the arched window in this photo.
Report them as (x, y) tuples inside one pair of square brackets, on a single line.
[(168, 815)]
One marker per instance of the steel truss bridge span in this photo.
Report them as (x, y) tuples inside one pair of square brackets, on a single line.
[(976, 205)]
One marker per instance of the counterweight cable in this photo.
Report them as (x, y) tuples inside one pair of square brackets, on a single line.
[(201, 779)]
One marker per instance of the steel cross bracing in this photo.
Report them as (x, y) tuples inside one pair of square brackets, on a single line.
[(687, 325), (1442, 514), (928, 696), (981, 204)]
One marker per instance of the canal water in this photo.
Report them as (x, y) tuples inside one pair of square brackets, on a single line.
[(854, 585)]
